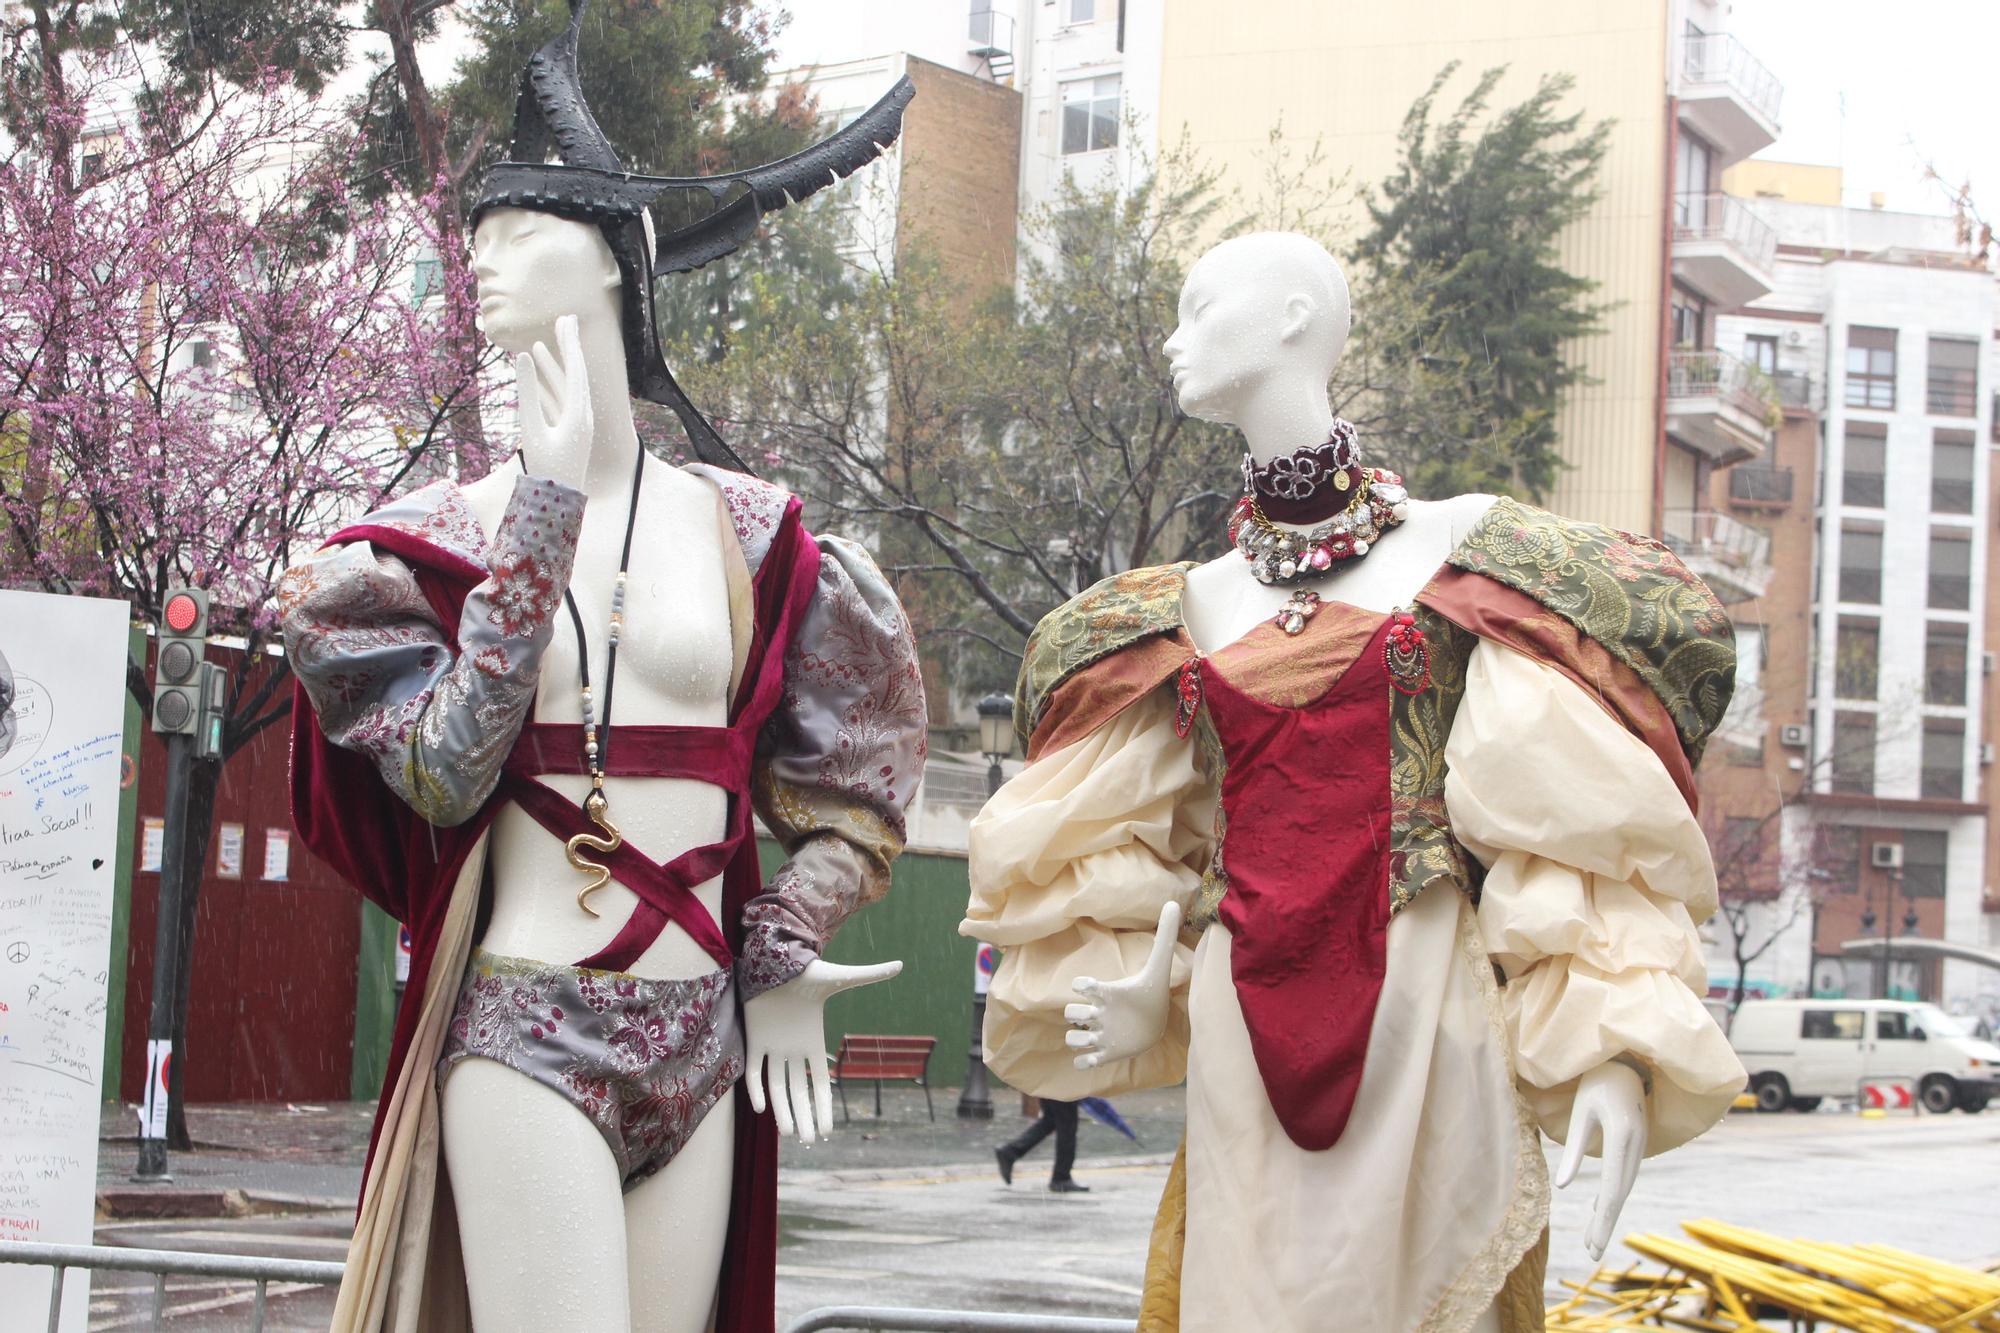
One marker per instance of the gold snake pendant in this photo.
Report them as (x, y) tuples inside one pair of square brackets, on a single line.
[(595, 806)]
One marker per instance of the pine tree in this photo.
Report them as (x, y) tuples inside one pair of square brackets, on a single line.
[(1472, 213)]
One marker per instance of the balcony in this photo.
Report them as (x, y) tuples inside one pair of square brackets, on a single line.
[(1719, 406), (1722, 249), (1760, 486), (1797, 391), (1730, 556), (1728, 97)]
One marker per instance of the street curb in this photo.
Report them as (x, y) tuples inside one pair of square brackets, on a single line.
[(156, 1203), (954, 1171)]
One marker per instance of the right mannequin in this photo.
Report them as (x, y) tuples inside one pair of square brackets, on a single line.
[(1418, 779)]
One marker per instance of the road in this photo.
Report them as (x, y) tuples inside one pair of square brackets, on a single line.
[(955, 1237)]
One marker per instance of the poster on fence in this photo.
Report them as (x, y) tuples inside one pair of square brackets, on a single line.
[(62, 709)]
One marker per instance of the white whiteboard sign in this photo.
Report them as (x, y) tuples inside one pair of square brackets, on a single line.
[(62, 708)]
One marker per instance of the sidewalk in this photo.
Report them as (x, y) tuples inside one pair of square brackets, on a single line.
[(266, 1157)]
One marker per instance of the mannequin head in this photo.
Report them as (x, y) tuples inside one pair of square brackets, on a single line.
[(1261, 314), (534, 267)]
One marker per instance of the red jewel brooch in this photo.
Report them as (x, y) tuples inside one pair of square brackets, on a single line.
[(1188, 691), (1407, 654)]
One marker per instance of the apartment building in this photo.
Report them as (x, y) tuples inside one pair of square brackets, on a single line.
[(1850, 790)]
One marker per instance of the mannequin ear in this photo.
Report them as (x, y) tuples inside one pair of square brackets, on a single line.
[(1299, 312)]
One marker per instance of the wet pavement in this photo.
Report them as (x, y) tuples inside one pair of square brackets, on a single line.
[(908, 1211)]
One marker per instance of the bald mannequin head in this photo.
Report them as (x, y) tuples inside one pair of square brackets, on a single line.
[(1258, 313)]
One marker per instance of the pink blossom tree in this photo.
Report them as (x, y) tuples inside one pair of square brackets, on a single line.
[(211, 354)]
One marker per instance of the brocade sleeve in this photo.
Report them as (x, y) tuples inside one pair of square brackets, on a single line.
[(1597, 875), (1071, 863), (836, 766), (387, 681)]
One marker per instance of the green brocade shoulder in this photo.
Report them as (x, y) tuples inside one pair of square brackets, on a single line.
[(1629, 593), (1099, 621)]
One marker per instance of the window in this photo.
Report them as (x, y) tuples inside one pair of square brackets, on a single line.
[(1944, 759), (1854, 752), (1741, 733), (93, 167), (1690, 318), (1863, 457), (1761, 351), (1856, 654), (1951, 472), (1923, 863), (1892, 1025), (1742, 839), (1079, 11), (1833, 1024), (1951, 571), (1090, 115), (1836, 857), (1871, 368), (426, 278), (1944, 663), (1953, 378), (200, 354), (1860, 566)]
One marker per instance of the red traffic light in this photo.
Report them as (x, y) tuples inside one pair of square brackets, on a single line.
[(181, 613)]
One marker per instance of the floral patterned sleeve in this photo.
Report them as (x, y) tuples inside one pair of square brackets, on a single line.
[(835, 767), (380, 669)]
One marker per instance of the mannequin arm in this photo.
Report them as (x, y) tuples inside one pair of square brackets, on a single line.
[(785, 1045), (1121, 1019), (1610, 1110)]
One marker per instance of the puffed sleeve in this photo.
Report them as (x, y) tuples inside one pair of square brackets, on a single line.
[(836, 766), (1071, 863), (1597, 875), (381, 671)]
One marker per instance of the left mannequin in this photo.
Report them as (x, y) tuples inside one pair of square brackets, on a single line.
[(516, 1150)]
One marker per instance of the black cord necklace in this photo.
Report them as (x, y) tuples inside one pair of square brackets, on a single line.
[(597, 748)]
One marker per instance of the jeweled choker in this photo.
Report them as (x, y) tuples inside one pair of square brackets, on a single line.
[(1286, 555), (1304, 486)]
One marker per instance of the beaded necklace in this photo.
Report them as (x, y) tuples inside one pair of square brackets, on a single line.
[(595, 749)]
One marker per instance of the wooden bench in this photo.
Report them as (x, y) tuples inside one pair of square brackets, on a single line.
[(896, 1059)]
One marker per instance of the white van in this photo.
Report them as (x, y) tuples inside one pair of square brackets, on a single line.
[(1798, 1051)]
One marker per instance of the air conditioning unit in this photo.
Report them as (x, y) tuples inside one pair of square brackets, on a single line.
[(1793, 338), (1986, 664), (1793, 735), (1885, 855), (1986, 753)]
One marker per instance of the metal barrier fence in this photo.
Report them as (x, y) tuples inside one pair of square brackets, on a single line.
[(62, 1258), (874, 1318)]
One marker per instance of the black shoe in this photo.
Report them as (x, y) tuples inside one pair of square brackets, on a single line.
[(1006, 1160), (1067, 1186)]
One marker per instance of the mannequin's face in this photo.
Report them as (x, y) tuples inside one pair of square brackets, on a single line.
[(1226, 341), (533, 268), (1254, 310)]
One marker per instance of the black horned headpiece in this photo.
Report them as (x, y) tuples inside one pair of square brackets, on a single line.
[(585, 183)]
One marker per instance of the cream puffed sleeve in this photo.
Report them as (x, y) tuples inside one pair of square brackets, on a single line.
[(1597, 875), (1071, 863)]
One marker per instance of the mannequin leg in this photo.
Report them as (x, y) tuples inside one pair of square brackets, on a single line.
[(1064, 1115), (539, 1209), (675, 1224)]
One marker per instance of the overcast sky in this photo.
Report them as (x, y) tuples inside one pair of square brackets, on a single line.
[(1917, 77)]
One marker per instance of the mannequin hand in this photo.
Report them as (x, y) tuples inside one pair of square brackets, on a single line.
[(785, 1028), (1610, 1107), (1126, 1018), (555, 437)]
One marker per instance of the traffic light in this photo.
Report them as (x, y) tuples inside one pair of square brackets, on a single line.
[(211, 712), (177, 668)]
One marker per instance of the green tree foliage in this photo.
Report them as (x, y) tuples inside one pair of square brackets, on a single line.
[(1471, 216)]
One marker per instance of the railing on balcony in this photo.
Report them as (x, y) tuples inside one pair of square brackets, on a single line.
[(1720, 58), (1753, 483), (1796, 388), (1723, 550), (1723, 217), (1708, 373)]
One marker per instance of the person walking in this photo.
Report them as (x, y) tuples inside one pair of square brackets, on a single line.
[(1058, 1118)]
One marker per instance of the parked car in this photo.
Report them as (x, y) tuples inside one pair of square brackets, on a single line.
[(1799, 1051)]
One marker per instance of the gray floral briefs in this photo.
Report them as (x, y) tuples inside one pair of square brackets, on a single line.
[(643, 1059)]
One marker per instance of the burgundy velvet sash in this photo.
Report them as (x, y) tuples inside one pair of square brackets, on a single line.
[(1306, 794)]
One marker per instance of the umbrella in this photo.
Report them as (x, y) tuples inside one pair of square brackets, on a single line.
[(1104, 1113)]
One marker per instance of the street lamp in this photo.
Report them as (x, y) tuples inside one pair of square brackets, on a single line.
[(996, 742)]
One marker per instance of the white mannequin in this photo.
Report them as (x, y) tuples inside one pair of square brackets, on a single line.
[(518, 1153), (1263, 321)]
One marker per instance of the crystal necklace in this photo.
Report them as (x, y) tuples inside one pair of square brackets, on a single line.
[(1287, 555), (596, 805)]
